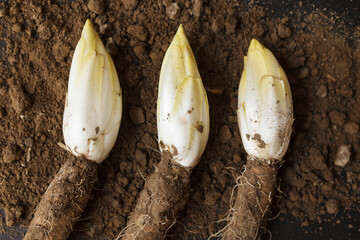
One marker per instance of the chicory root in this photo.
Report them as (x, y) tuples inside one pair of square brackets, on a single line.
[(91, 123), (64, 200), (265, 117), (183, 129), (164, 195), (251, 207)]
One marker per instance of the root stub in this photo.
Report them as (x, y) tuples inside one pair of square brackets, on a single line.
[(164, 195), (64, 201), (250, 212)]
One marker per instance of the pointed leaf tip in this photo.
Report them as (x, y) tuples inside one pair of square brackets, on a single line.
[(182, 114), (88, 30), (180, 33), (180, 29), (255, 44)]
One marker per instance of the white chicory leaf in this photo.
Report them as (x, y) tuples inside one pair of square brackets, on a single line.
[(265, 108), (94, 104), (182, 110)]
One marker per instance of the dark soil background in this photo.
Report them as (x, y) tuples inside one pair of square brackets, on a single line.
[(316, 42)]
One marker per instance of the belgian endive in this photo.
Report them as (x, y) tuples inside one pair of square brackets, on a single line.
[(182, 106), (265, 109), (93, 104)]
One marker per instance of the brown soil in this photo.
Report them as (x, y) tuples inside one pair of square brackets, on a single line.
[(321, 62)]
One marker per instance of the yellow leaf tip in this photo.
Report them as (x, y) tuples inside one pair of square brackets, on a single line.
[(88, 29), (255, 44), (180, 29), (181, 35)]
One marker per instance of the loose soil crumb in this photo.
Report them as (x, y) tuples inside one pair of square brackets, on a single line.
[(318, 53)]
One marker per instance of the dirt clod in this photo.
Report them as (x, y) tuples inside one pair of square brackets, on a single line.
[(19, 99), (216, 25), (137, 115), (60, 51), (321, 92), (172, 10), (225, 134), (3, 12), (317, 159), (29, 142), (343, 155), (332, 206), (230, 24), (197, 8), (44, 31), (284, 31), (12, 153), (140, 158), (16, 27), (96, 6), (138, 32), (303, 73), (131, 76), (351, 127), (337, 118), (140, 52), (129, 4), (13, 212)]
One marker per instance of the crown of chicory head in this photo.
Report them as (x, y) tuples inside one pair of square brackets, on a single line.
[(265, 109), (93, 104), (182, 106)]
